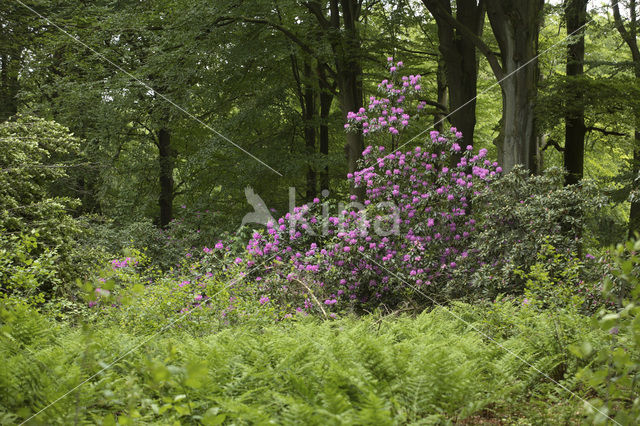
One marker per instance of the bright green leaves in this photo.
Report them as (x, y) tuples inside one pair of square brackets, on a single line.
[(212, 418), (196, 374), (615, 372)]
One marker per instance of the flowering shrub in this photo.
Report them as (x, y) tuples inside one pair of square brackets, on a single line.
[(411, 240), (405, 240), (392, 112)]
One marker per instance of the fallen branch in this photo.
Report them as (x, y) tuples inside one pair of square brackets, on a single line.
[(314, 298)]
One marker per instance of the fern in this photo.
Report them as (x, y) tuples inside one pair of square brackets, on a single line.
[(430, 369)]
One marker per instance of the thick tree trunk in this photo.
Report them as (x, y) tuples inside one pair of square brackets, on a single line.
[(516, 26), (351, 100), (167, 165), (519, 143), (576, 16), (460, 60), (341, 30), (347, 49)]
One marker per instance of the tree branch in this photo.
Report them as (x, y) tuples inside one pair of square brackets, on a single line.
[(604, 131), (626, 36), (553, 143), (315, 8), (289, 34), (442, 108)]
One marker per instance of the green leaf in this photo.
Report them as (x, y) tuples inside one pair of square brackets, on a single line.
[(581, 351), (212, 418)]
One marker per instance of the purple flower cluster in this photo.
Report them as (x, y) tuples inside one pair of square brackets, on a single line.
[(388, 113), (128, 261), (414, 229)]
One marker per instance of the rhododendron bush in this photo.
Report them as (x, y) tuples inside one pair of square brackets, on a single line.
[(402, 243), (411, 240), (392, 112)]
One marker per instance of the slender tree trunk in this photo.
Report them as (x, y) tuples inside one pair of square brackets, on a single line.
[(326, 99), (443, 94), (634, 211), (309, 119), (516, 26), (8, 86), (630, 36), (167, 165), (576, 16)]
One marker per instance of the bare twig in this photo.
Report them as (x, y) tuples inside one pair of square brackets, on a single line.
[(314, 297)]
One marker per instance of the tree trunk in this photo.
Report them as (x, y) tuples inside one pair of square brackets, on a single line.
[(8, 86), (518, 145), (576, 16), (349, 71), (634, 211), (345, 42), (309, 116), (167, 164), (351, 100), (326, 99), (443, 94), (460, 60), (341, 31), (630, 37), (516, 26)]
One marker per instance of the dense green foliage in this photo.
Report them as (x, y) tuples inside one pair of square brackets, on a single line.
[(614, 373), (38, 230), (371, 370)]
